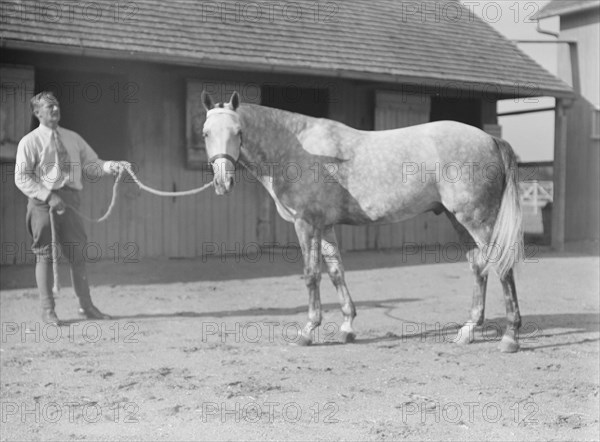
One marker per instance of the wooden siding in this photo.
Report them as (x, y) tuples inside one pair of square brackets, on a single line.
[(17, 89), (352, 103), (144, 225), (582, 187), (394, 110), (584, 28), (582, 181)]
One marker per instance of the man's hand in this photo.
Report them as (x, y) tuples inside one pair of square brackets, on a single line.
[(123, 166), (115, 167), (56, 203)]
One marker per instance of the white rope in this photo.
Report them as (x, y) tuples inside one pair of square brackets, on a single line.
[(54, 250), (162, 192), (56, 287)]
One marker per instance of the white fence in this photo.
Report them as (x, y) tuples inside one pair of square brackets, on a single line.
[(536, 194)]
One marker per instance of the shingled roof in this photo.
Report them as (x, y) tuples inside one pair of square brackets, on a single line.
[(564, 7), (384, 40)]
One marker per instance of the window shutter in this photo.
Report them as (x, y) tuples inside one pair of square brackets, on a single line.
[(16, 84)]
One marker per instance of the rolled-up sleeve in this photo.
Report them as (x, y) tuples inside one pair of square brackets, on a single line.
[(26, 178)]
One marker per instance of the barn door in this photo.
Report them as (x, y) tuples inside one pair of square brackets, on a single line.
[(227, 225), (17, 84), (395, 110)]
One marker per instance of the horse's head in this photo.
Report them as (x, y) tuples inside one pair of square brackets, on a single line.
[(223, 137)]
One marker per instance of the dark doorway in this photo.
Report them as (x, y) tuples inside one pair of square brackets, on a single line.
[(466, 111), (93, 105), (307, 101)]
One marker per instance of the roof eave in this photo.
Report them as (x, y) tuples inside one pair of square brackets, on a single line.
[(427, 83), (565, 11)]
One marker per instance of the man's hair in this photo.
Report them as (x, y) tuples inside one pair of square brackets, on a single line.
[(36, 100)]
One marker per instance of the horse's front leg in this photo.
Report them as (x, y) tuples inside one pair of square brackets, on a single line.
[(310, 243)]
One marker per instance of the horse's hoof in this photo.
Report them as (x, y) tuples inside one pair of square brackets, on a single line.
[(464, 336), (508, 345), (303, 341), (348, 337)]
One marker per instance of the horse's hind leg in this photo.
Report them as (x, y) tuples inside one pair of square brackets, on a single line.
[(466, 334), (509, 343), (310, 243), (333, 260)]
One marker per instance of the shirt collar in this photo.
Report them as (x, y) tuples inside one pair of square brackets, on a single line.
[(46, 130)]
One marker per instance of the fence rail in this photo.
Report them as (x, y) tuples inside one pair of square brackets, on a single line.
[(536, 194)]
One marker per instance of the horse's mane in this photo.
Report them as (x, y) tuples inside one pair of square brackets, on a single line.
[(276, 114)]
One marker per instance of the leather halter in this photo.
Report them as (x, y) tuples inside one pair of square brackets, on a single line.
[(219, 110), (223, 155)]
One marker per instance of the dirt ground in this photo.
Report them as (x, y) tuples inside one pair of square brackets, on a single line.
[(203, 350)]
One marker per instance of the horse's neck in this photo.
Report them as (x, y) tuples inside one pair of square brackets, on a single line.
[(268, 132)]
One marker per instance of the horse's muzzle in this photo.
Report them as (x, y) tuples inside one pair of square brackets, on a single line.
[(224, 171), (223, 186)]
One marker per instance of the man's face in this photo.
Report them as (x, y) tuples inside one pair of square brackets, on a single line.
[(48, 112)]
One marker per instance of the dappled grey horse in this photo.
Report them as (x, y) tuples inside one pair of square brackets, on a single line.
[(321, 173)]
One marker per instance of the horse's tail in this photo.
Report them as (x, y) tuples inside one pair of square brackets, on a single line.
[(506, 243)]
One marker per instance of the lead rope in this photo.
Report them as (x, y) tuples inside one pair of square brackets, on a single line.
[(163, 193), (54, 250), (56, 287)]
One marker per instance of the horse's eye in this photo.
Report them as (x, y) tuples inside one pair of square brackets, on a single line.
[(205, 134)]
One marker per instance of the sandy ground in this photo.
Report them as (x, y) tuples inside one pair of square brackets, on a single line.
[(204, 350)]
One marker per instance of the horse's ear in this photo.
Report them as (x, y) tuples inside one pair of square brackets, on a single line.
[(206, 101), (235, 100)]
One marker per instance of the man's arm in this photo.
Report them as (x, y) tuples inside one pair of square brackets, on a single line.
[(25, 177)]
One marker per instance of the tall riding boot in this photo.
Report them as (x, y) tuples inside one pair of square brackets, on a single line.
[(82, 290), (44, 280)]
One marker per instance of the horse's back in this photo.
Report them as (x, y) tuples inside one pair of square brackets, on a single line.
[(396, 174)]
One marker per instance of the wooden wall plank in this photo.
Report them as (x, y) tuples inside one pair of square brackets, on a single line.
[(10, 224), (156, 131), (17, 85)]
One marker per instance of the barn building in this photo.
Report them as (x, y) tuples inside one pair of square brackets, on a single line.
[(129, 77), (577, 168)]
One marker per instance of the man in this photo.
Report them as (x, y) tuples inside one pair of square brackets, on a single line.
[(51, 162)]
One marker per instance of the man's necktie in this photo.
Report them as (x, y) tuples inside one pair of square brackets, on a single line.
[(62, 155)]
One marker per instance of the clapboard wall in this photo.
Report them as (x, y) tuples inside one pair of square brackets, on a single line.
[(582, 190), (141, 117)]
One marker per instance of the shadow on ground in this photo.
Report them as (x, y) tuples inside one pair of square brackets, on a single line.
[(534, 331), (271, 264)]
